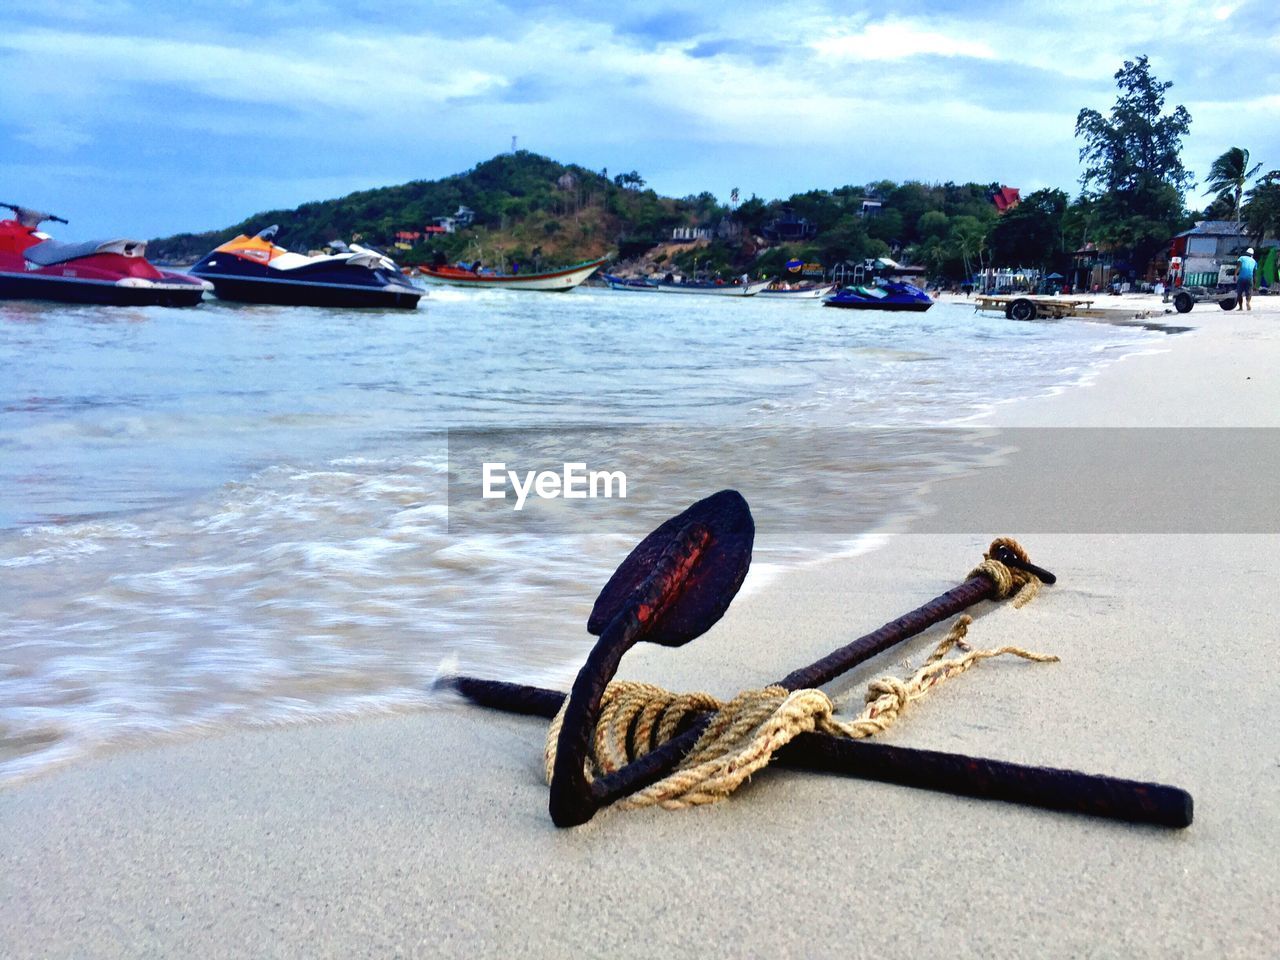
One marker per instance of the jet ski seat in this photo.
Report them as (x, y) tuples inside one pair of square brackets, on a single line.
[(50, 252)]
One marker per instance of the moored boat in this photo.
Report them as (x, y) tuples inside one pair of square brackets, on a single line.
[(628, 283), (33, 266), (255, 270), (798, 293), (554, 280), (697, 287), (883, 295)]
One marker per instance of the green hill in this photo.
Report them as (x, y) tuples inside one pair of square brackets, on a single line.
[(534, 210), (527, 207)]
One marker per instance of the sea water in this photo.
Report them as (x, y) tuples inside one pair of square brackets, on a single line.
[(238, 515)]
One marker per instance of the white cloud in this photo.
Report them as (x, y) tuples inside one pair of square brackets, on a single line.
[(307, 74), (898, 40), (55, 135)]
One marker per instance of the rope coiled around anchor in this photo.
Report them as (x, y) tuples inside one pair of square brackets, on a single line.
[(747, 730)]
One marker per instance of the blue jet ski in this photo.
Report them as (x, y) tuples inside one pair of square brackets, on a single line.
[(883, 295)]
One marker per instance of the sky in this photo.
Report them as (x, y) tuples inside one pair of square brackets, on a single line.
[(144, 118)]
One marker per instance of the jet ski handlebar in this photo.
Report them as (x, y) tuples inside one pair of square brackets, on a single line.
[(31, 218)]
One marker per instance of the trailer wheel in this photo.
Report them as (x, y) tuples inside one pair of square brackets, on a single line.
[(1022, 309), (1228, 304), (1183, 301)]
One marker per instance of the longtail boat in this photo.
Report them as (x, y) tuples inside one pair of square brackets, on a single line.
[(699, 287), (555, 280), (798, 293)]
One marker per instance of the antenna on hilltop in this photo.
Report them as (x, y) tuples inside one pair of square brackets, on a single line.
[(513, 143)]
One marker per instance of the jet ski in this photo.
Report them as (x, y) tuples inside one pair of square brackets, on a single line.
[(255, 270), (113, 272), (882, 295)]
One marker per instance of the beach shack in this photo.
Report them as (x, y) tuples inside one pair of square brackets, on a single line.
[(855, 272), (790, 228), (1197, 255), (1091, 268), (1007, 279)]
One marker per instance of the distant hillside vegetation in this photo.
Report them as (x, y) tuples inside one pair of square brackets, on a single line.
[(540, 213), (527, 208)]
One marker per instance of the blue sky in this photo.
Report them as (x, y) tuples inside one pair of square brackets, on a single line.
[(145, 118)]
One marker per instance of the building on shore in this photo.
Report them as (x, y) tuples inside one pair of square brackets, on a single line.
[(1091, 269), (790, 228), (462, 218), (1196, 255)]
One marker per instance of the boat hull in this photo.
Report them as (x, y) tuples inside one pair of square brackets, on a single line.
[(323, 283), (885, 295), (815, 293), (628, 283), (164, 293), (557, 281), (302, 293), (693, 289), (912, 307)]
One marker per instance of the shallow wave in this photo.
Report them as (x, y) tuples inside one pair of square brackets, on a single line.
[(286, 551)]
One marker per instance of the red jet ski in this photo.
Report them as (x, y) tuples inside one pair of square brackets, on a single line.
[(113, 272)]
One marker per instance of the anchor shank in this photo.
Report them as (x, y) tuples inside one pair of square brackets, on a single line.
[(864, 648)]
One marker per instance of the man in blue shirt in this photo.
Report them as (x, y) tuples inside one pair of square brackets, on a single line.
[(1244, 280)]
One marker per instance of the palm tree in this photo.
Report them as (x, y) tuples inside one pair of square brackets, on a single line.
[(970, 238), (1228, 175), (934, 253), (1262, 206)]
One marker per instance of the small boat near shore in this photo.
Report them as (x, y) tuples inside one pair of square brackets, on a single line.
[(255, 270), (883, 295), (33, 266), (628, 283), (699, 288), (798, 293), (552, 281)]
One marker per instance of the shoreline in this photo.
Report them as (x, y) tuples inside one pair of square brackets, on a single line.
[(882, 506), (342, 839)]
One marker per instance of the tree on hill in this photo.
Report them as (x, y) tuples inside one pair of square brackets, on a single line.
[(1133, 173), (889, 226), (752, 214), (1032, 232), (910, 202), (820, 207), (1227, 178), (847, 239), (933, 223), (630, 180)]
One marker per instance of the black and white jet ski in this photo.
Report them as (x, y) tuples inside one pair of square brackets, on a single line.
[(255, 270)]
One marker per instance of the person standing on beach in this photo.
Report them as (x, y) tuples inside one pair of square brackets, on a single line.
[(1244, 280)]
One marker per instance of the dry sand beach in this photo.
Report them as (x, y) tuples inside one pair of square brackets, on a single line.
[(428, 835)]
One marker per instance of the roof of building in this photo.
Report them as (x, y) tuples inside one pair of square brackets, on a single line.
[(1216, 228), (1005, 198)]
